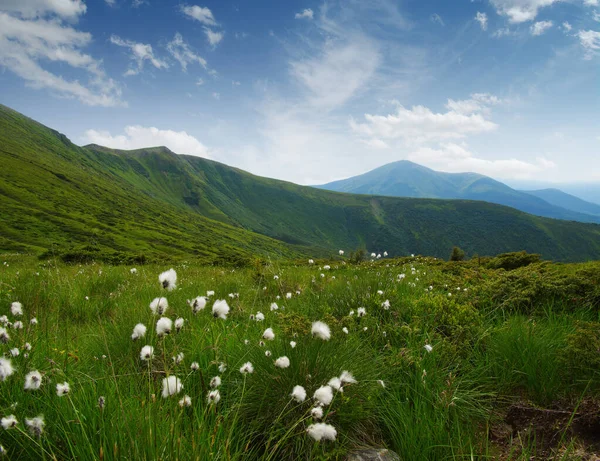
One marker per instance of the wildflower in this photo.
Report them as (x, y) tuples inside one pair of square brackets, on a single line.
[(159, 306), (164, 326), (147, 353), (379, 292), (168, 279), (341, 252), (317, 412), (268, 334), (186, 401), (351, 313), (246, 341), (197, 304), (195, 366), (101, 402), (6, 368), (428, 347), (274, 306), (311, 261), (215, 382), (282, 362), (63, 389), (210, 293), (179, 324), (373, 255), (345, 330), (2, 450), (16, 309), (347, 378), (322, 431), (139, 331), (223, 367), (386, 304), (276, 277), (33, 380), (335, 384), (326, 267), (261, 343), (4, 320), (27, 346), (133, 270), (171, 386), (361, 312), (8, 422), (268, 353), (381, 383), (323, 395), (293, 344), (33, 321), (214, 397), (246, 368), (260, 316), (449, 295), (18, 325), (385, 253), (220, 309), (14, 352), (298, 394), (288, 295), (322, 275), (321, 330), (365, 328), (36, 425), (178, 358)]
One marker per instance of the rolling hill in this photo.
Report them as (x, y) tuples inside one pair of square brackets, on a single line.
[(567, 201), (408, 179), (56, 197)]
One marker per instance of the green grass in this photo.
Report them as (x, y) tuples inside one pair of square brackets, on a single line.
[(439, 405)]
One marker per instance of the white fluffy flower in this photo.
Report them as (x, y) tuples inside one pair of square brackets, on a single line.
[(293, 344), (14, 352), (4, 336), (6, 368), (386, 304), (223, 367), (311, 261), (347, 378), (260, 316), (35, 425), (63, 389), (3, 320), (345, 330), (335, 384), (299, 394), (133, 270), (213, 397), (197, 304), (268, 353), (321, 330), (215, 382), (33, 380), (178, 358), (381, 383), (18, 325), (164, 326), (276, 277), (341, 252), (171, 386), (179, 324), (8, 422), (324, 395), (247, 368), (317, 412), (380, 292), (210, 293), (428, 347), (195, 366), (33, 321), (16, 308), (168, 279), (322, 431), (139, 331), (186, 401), (288, 295), (326, 267), (274, 306), (27, 346), (147, 353), (220, 309), (282, 362), (159, 306), (361, 312), (268, 334)]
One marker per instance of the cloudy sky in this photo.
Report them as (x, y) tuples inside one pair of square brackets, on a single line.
[(314, 91)]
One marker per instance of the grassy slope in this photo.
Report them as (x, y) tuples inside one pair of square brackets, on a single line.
[(154, 202), (562, 199)]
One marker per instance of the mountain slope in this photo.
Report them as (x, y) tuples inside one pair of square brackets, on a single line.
[(568, 201), (407, 179), (58, 196)]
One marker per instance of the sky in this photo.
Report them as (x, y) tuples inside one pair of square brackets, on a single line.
[(315, 91)]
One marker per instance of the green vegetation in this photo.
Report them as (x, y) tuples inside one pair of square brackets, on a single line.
[(513, 370), (94, 203)]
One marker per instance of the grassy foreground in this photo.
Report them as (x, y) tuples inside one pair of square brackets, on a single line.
[(507, 352)]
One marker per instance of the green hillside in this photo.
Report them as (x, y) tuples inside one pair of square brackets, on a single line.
[(564, 200), (68, 199)]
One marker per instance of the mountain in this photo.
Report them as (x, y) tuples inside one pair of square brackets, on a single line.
[(408, 179), (77, 202), (567, 201)]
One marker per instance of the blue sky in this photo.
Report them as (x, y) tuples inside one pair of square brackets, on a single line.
[(314, 91)]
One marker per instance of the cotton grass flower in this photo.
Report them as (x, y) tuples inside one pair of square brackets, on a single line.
[(186, 401), (341, 252), (324, 395), (195, 366), (14, 352), (274, 307), (139, 331), (171, 385), (220, 309), (321, 330), (345, 330), (428, 347), (27, 346), (16, 309), (4, 320), (210, 293), (298, 394), (215, 382), (381, 383), (36, 425), (164, 326), (33, 380), (361, 312), (63, 389), (8, 422), (288, 295), (311, 261), (268, 334), (317, 412), (33, 321), (18, 325), (268, 353), (159, 306), (147, 353), (321, 431), (168, 279), (292, 344), (347, 378), (6, 368), (223, 367), (197, 304), (386, 304), (326, 267), (335, 384), (178, 358), (179, 324), (260, 316), (246, 368), (282, 362), (133, 270), (213, 397)]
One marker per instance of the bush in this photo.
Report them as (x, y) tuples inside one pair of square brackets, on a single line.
[(457, 254), (511, 261)]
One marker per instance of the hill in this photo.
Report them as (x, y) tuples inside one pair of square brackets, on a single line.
[(568, 201), (408, 179), (156, 204)]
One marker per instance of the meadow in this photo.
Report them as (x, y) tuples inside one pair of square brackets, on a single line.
[(495, 358)]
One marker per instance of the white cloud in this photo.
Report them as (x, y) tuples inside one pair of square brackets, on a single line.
[(596, 15), (520, 10), (591, 2), (199, 13), (566, 26), (182, 52), (199, 82), (482, 19), (25, 43), (478, 102), (235, 83), (306, 14), (502, 32), (437, 18), (137, 137), (214, 38), (110, 2), (140, 52), (68, 9), (540, 27), (590, 40)]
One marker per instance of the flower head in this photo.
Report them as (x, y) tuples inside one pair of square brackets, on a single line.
[(147, 353), (33, 380), (215, 382), (322, 431), (171, 386), (298, 394), (195, 366), (197, 304), (179, 324), (341, 252), (361, 312), (186, 401), (178, 358), (317, 412), (8, 422), (345, 330), (210, 293), (33, 321), (14, 352), (428, 347), (274, 306), (268, 334), (36, 425), (63, 389), (139, 331), (16, 309), (18, 325), (6, 368), (282, 362), (133, 270), (168, 279), (223, 367), (247, 368), (213, 397), (321, 330), (324, 395), (386, 304), (293, 344), (159, 306), (347, 378), (220, 309), (259, 316), (335, 384), (164, 326)]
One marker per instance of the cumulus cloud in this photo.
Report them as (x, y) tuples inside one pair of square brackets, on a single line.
[(214, 37), (540, 27), (306, 14), (478, 102), (199, 13), (590, 40), (183, 53), (519, 11), (567, 27), (437, 18), (482, 19), (69, 9), (140, 52), (137, 137)]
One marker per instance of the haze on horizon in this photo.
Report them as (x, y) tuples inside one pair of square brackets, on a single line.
[(315, 91)]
